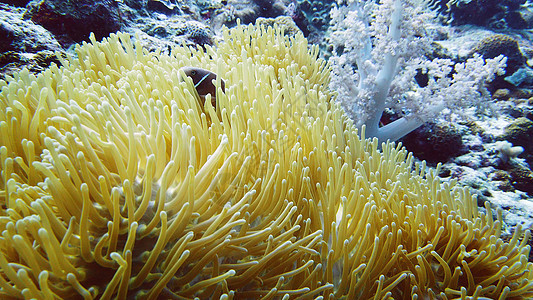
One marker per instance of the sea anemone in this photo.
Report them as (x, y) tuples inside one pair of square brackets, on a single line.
[(117, 181)]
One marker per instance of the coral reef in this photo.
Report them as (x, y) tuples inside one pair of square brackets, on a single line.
[(12, 62), (284, 22), (520, 133), (197, 32), (316, 12), (17, 34), (115, 182), (24, 44), (501, 44), (19, 3), (73, 21), (435, 142), (522, 179), (495, 14)]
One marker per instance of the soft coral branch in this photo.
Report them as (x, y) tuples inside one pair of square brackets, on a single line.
[(385, 42)]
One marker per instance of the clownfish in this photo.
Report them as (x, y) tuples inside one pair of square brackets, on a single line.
[(203, 82)]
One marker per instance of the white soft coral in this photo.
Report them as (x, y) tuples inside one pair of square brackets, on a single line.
[(382, 46)]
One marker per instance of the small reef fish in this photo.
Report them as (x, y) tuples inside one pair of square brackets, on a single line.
[(203, 82)]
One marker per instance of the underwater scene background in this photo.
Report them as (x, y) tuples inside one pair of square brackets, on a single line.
[(266, 149)]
